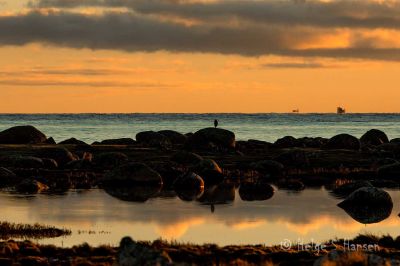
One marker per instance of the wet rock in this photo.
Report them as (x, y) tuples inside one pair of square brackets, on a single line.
[(368, 205), (218, 194), (212, 138), (186, 158), (137, 193), (389, 171), (109, 160), (374, 137), (174, 137), (287, 142), (343, 141), (61, 155), (73, 141), (294, 159), (133, 253), (153, 139), (132, 173), (7, 177), (189, 186), (250, 191), (346, 189), (30, 186), (22, 135), (210, 171), (121, 141), (17, 161), (268, 167)]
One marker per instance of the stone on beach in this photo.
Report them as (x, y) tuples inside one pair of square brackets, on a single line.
[(210, 171), (153, 139), (109, 160), (61, 155), (72, 141), (19, 161), (120, 141), (389, 171), (259, 191), (186, 158), (174, 136), (374, 137), (268, 167), (343, 142), (22, 135), (207, 138), (30, 186), (189, 186)]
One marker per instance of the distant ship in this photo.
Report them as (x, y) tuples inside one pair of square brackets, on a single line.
[(296, 111), (341, 111)]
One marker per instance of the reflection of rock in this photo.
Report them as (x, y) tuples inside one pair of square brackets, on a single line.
[(293, 185), (346, 189), (218, 194), (137, 193), (210, 171), (189, 187), (255, 191), (30, 186), (368, 205)]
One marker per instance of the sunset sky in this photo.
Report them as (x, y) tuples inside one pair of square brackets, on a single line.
[(73, 56)]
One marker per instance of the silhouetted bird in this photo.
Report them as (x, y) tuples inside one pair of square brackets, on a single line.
[(215, 123)]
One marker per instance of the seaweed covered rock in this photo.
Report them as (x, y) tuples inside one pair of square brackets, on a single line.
[(22, 135), (374, 137), (343, 142), (132, 173), (210, 138)]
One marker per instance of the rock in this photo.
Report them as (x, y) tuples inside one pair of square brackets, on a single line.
[(189, 186), (268, 167), (7, 177), (293, 159), (389, 171), (22, 135), (30, 186), (153, 139), (218, 194), (174, 137), (374, 137), (138, 193), (16, 161), (292, 185), (287, 142), (50, 141), (396, 140), (121, 141), (250, 191), (346, 189), (368, 205), (49, 163), (186, 158), (61, 155), (210, 171), (168, 171), (79, 165), (209, 138), (132, 173), (72, 141), (313, 142), (343, 142), (133, 253), (109, 160), (33, 261)]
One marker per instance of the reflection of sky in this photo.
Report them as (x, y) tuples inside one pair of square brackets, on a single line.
[(309, 215)]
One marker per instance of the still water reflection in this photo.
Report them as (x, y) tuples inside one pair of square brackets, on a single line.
[(97, 217)]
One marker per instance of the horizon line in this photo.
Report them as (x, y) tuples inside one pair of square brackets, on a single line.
[(191, 113)]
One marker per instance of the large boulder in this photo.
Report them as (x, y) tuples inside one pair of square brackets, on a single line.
[(132, 173), (209, 138), (153, 139), (22, 135), (189, 186), (173, 136), (61, 155), (107, 160), (287, 142), (16, 161), (72, 141), (343, 142), (210, 171), (389, 171), (374, 137), (186, 158)]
